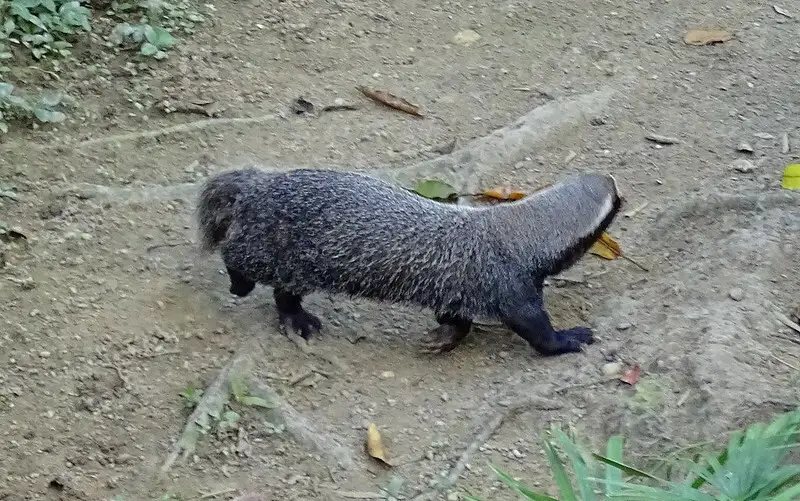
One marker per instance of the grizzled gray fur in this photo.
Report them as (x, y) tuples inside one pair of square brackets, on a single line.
[(311, 230)]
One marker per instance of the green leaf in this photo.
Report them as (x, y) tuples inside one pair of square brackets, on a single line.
[(789, 495), (521, 489), (613, 474), (578, 465), (3, 127), (19, 102), (23, 13), (158, 37), (627, 469), (238, 388), (560, 473), (6, 89), (49, 5), (50, 99), (435, 190), (8, 27), (148, 49), (252, 401)]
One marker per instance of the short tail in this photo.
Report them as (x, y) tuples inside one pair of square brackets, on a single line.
[(215, 206)]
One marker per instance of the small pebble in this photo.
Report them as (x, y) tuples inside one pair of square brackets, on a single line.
[(612, 369), (44, 354), (742, 165), (736, 294), (387, 374), (744, 147), (624, 326)]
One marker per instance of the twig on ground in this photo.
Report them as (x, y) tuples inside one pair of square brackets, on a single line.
[(211, 403), (633, 262), (784, 362), (215, 494), (167, 244), (489, 428)]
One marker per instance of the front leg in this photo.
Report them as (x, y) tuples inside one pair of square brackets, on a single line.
[(291, 312), (532, 323)]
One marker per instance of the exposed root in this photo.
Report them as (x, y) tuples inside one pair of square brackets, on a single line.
[(463, 168), (300, 428), (711, 205), (199, 124), (211, 404), (485, 432)]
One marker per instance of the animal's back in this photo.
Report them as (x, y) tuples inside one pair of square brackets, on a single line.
[(349, 233)]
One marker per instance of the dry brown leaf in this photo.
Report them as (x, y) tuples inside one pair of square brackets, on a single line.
[(375, 447), (707, 36), (390, 100), (606, 247), (631, 375), (497, 193)]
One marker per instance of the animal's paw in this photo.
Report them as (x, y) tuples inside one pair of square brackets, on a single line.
[(302, 323), (572, 340), (442, 339)]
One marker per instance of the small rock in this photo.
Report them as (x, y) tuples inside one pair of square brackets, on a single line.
[(466, 37), (387, 374), (453, 496), (44, 354), (744, 147), (742, 165), (612, 368), (764, 135), (445, 397), (736, 294), (623, 326)]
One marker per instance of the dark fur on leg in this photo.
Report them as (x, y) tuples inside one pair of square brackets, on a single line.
[(531, 322), (291, 313), (450, 333), (240, 285)]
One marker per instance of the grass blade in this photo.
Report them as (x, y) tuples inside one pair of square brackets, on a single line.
[(578, 465), (630, 470), (613, 474), (521, 489), (560, 474)]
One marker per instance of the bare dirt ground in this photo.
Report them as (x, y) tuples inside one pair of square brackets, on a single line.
[(108, 313)]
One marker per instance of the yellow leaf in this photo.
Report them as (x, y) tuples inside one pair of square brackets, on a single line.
[(706, 36), (606, 247), (791, 177), (375, 447), (516, 195), (495, 193)]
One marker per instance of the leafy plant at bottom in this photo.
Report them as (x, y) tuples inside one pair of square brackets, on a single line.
[(751, 468)]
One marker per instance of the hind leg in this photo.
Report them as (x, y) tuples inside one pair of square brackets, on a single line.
[(451, 332), (240, 285), (292, 314)]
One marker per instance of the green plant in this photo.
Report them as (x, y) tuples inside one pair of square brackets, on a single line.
[(153, 42), (13, 106), (751, 468), (42, 26)]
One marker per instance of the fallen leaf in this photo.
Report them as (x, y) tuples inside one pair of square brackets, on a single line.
[(631, 375), (606, 247), (435, 190), (391, 100), (791, 177), (495, 193), (375, 446), (707, 36)]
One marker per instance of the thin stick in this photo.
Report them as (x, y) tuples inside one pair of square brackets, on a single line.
[(784, 362), (626, 258), (487, 430)]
